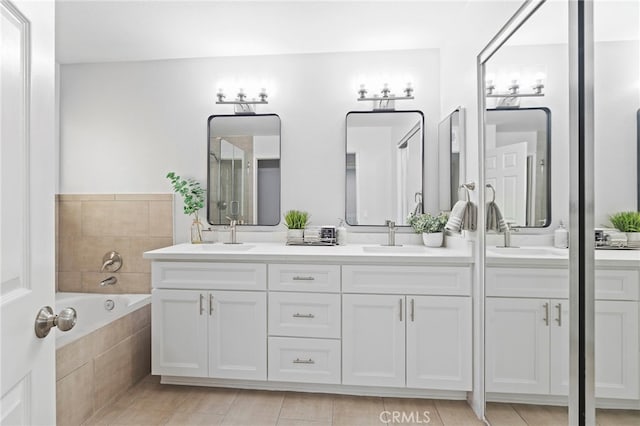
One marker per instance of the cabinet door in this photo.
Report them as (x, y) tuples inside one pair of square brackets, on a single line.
[(439, 342), (373, 339), (238, 335), (179, 333), (559, 347), (517, 345), (616, 349)]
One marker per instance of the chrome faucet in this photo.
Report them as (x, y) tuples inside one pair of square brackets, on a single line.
[(109, 281), (391, 227), (507, 235), (233, 223)]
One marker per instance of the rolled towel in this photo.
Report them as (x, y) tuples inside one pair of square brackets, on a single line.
[(495, 220), (456, 218)]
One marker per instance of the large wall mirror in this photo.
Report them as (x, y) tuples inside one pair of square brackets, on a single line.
[(244, 169), (384, 166), (451, 146), (517, 164)]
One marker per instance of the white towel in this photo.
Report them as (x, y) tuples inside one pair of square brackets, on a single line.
[(456, 218), (495, 221)]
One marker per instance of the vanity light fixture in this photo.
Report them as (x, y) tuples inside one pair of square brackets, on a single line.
[(241, 104), (383, 102)]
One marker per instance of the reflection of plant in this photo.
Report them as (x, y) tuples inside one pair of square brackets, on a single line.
[(626, 221), (191, 191), (296, 219), (426, 223)]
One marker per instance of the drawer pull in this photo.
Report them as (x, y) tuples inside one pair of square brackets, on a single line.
[(297, 315), (400, 310), (201, 300), (559, 319), (546, 313), (303, 361), (299, 278), (413, 309), (210, 303)]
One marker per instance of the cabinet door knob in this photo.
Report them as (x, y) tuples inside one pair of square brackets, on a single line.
[(559, 319)]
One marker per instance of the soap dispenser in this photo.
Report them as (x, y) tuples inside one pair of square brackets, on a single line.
[(561, 237), (342, 234)]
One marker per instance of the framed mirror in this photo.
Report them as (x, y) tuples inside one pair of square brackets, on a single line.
[(244, 169), (384, 166), (451, 148), (518, 164)]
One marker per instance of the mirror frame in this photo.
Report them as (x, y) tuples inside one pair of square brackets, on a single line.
[(549, 218), (462, 166), (211, 117), (422, 150)]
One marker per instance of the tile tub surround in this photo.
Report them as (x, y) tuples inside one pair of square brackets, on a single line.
[(96, 369), (90, 225)]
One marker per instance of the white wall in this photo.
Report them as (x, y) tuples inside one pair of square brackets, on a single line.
[(125, 125)]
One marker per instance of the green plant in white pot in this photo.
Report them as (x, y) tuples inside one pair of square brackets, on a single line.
[(193, 196), (431, 227), (296, 221), (629, 223)]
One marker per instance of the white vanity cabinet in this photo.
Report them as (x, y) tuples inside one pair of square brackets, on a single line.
[(407, 340), (527, 335), (202, 332)]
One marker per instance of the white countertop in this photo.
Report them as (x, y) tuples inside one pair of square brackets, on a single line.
[(351, 253), (549, 256)]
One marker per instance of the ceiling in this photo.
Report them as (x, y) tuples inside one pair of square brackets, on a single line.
[(106, 31)]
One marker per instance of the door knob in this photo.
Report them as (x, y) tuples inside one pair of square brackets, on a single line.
[(46, 320)]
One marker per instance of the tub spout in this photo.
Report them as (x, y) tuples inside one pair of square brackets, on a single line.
[(109, 281)]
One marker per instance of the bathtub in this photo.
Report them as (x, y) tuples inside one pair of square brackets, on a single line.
[(93, 312), (106, 353)]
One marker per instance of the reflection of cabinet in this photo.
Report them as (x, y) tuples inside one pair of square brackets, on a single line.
[(526, 345), (527, 336), (417, 341), (209, 334)]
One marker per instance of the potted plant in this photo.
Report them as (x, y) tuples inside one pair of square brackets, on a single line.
[(431, 227), (193, 196), (629, 223), (296, 221)]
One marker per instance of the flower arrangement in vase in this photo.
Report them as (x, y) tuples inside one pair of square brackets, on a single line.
[(193, 196), (295, 221)]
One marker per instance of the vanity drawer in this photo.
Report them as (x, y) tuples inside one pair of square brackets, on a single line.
[(209, 276), (304, 360), (617, 284), (304, 314), (434, 280), (304, 277), (528, 282)]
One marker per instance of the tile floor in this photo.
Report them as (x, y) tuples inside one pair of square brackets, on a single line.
[(150, 403)]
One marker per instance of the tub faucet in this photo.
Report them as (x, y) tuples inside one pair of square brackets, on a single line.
[(109, 281), (391, 228)]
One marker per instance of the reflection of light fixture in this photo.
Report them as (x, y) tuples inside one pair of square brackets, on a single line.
[(242, 105), (513, 90), (382, 102)]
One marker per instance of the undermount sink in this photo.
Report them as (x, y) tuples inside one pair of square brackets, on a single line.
[(393, 249), (525, 251), (222, 247)]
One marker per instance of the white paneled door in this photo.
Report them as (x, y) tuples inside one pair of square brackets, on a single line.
[(507, 172), (27, 214)]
